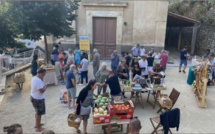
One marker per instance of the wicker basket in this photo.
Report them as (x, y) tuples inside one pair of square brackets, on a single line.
[(71, 122), (167, 102)]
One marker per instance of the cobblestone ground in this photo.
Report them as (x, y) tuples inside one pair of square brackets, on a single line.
[(16, 108)]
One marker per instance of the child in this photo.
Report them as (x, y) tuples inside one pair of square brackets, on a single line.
[(79, 73)]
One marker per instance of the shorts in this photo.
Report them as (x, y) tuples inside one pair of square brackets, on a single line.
[(85, 117), (164, 67), (71, 92), (150, 69), (183, 62), (79, 75), (77, 61), (39, 106), (146, 76)]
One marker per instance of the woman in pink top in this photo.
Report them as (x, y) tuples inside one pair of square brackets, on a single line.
[(164, 59), (61, 57)]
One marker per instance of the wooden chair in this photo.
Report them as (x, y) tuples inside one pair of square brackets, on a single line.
[(157, 121), (174, 97)]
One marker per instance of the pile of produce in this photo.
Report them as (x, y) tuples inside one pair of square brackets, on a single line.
[(158, 86), (101, 101), (100, 111), (121, 107)]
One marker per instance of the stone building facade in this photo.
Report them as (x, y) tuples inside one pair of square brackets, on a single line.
[(121, 25)]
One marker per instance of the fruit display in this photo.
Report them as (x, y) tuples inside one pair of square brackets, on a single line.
[(120, 108), (101, 101), (126, 83), (101, 115)]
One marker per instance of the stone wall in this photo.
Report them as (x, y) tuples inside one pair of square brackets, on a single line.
[(205, 38)]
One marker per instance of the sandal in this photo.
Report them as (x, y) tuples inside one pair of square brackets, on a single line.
[(40, 129), (78, 131), (40, 125)]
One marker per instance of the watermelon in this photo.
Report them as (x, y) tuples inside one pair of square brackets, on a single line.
[(101, 104), (103, 101), (97, 101)]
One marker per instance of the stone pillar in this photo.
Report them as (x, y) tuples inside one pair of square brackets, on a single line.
[(179, 38), (193, 43)]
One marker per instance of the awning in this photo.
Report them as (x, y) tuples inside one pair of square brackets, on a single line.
[(176, 20)]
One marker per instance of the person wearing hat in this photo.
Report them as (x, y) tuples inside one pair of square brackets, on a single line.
[(143, 63), (71, 86)]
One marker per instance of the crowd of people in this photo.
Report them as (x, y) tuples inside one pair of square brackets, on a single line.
[(74, 64)]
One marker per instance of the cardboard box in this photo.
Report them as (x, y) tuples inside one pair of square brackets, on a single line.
[(122, 116), (113, 111), (101, 118)]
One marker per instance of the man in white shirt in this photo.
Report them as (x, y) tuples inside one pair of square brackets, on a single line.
[(143, 63), (84, 70), (135, 50), (142, 51), (38, 89)]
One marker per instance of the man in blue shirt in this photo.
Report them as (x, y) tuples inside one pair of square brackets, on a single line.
[(113, 83), (183, 59), (71, 86), (114, 61)]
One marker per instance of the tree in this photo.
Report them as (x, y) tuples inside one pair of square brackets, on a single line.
[(202, 11), (42, 18), (8, 33)]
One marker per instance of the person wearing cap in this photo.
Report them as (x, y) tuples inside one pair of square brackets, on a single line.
[(135, 126), (71, 86), (143, 63), (183, 59)]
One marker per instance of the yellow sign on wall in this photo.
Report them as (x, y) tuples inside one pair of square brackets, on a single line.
[(84, 44)]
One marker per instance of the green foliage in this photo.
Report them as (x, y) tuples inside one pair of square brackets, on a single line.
[(7, 30), (34, 19), (199, 10)]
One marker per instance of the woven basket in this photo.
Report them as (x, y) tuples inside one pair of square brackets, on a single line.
[(72, 122)]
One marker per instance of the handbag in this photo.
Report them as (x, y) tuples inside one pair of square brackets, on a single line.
[(85, 110)]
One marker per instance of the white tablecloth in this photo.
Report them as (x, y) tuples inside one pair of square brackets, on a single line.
[(50, 78)]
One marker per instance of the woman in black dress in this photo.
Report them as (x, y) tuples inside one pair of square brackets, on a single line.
[(136, 70)]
